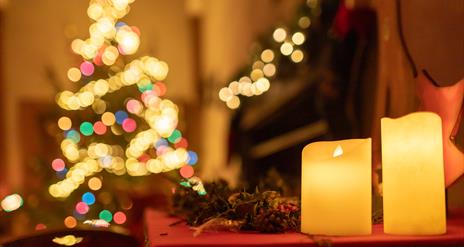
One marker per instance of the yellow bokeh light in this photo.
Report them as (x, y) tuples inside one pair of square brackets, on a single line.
[(76, 45), (120, 4), (128, 41), (104, 25), (110, 55), (245, 79), (258, 65), (99, 106), (157, 69), (269, 70), (233, 103), (286, 48), (74, 74), (86, 99), (73, 103), (267, 56), (64, 123), (131, 75), (234, 86), (262, 84), (304, 22), (298, 38), (297, 56), (255, 89), (88, 50), (245, 88), (95, 11), (94, 183), (164, 125), (279, 35), (256, 74), (225, 94), (154, 165), (101, 150), (71, 153), (117, 130), (101, 87)]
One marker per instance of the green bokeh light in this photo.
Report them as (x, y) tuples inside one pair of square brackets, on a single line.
[(175, 136), (106, 215), (86, 128)]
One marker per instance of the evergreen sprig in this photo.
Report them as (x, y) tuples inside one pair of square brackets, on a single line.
[(259, 211)]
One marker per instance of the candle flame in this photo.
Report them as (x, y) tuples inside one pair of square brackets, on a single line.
[(338, 151)]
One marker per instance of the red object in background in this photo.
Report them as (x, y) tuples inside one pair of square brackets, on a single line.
[(161, 234), (361, 20)]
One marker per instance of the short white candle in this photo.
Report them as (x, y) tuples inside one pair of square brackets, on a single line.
[(336, 188)]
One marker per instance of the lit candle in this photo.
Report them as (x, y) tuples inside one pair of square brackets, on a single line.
[(413, 175), (336, 188)]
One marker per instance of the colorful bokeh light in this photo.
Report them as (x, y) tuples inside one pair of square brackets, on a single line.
[(74, 74), (73, 135), (134, 106), (129, 125), (108, 118), (86, 128), (82, 208), (88, 198), (58, 165), (94, 183), (12, 202), (193, 158), (175, 136), (87, 68), (186, 171), (119, 217), (182, 143), (40, 227), (70, 222), (109, 39), (99, 128), (64, 123), (121, 116), (106, 215)]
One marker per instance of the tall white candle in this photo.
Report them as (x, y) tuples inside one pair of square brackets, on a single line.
[(336, 188), (413, 175)]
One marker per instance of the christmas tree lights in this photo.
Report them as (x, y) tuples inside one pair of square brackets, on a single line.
[(147, 122), (286, 41)]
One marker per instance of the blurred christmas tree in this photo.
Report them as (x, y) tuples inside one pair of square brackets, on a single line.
[(117, 122)]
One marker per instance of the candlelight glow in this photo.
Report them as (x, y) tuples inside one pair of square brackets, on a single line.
[(338, 151)]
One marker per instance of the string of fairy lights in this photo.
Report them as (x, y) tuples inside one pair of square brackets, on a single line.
[(109, 40), (287, 43)]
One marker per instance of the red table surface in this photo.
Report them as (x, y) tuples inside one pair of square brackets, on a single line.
[(160, 234)]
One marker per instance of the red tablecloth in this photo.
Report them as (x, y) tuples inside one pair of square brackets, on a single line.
[(160, 234)]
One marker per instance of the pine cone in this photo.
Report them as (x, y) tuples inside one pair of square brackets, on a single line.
[(270, 220)]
